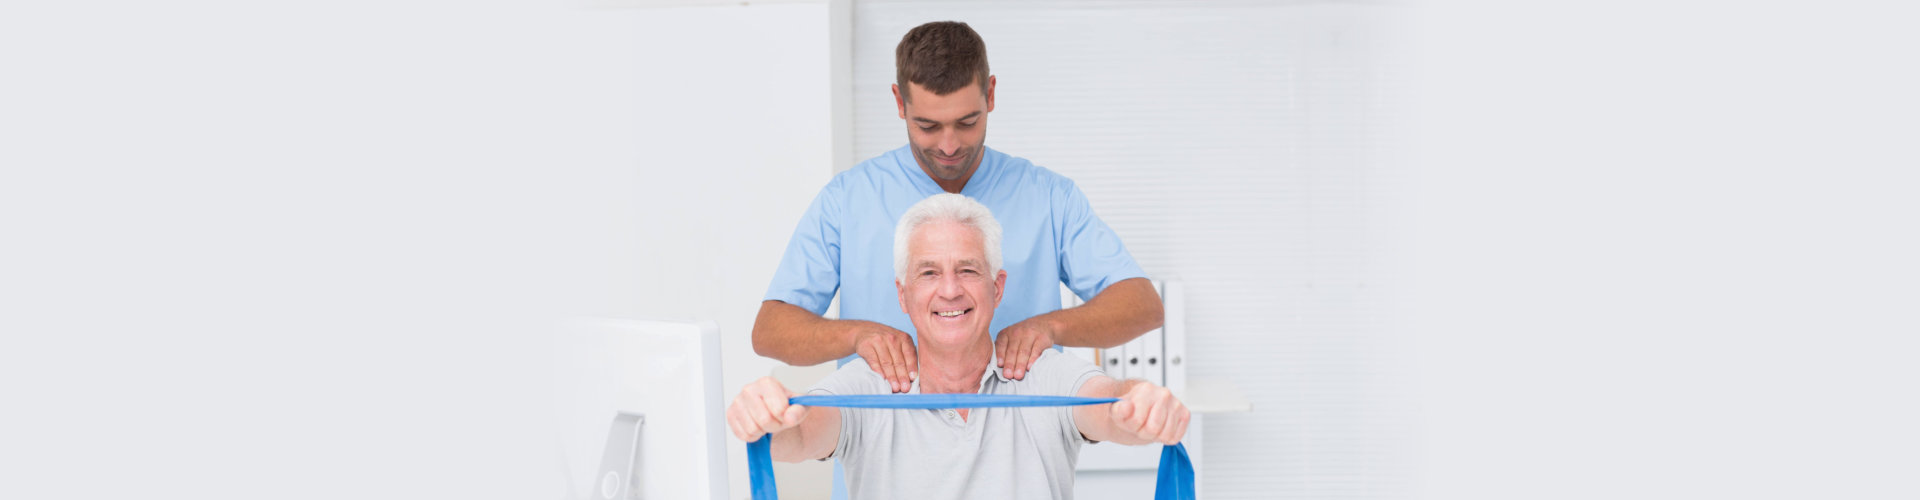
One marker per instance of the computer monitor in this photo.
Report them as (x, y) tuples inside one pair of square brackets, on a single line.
[(639, 410)]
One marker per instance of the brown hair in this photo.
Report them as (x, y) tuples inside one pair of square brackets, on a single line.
[(943, 56)]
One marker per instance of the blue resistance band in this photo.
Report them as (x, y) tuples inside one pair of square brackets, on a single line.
[(1176, 470)]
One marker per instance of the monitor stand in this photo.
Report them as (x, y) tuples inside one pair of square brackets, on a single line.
[(620, 465)]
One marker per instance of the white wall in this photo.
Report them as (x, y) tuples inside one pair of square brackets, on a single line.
[(1666, 250), (312, 250)]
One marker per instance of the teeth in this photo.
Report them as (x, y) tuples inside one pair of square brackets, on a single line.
[(950, 314)]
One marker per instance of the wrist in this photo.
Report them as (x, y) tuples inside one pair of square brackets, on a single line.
[(1052, 324), (855, 333), (858, 331)]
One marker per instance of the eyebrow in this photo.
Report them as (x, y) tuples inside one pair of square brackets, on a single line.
[(932, 122), (936, 265)]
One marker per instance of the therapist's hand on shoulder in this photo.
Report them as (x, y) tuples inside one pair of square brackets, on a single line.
[(1020, 344), (890, 353), (761, 408)]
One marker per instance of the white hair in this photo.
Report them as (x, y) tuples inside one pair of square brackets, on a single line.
[(946, 207)]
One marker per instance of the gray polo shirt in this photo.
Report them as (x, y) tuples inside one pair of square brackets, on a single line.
[(994, 453)]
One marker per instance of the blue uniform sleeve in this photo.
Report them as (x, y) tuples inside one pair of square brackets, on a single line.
[(809, 273), (1091, 255)]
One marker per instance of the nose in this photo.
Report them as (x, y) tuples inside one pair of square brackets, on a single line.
[(950, 287), (949, 143)]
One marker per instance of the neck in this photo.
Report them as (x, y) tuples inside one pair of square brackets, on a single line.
[(954, 369), (951, 186), (954, 186)]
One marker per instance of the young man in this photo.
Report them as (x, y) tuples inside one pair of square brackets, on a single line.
[(949, 281)]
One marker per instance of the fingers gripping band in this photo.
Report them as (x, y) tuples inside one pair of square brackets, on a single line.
[(1176, 470)]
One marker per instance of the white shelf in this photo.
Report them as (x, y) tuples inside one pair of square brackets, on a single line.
[(1207, 395)]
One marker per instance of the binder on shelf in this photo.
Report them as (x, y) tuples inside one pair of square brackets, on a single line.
[(1174, 346), (1145, 357)]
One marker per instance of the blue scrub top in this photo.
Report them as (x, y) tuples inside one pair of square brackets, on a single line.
[(844, 243)]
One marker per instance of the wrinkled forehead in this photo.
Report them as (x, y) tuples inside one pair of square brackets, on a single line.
[(946, 241)]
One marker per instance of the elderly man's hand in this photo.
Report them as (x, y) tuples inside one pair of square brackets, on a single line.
[(890, 353), (1019, 345), (761, 408), (1150, 412)]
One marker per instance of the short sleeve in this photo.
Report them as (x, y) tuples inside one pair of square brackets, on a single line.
[(1062, 375), (809, 272), (1091, 255)]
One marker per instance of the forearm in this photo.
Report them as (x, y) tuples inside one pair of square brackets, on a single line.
[(1122, 312), (1097, 422), (813, 439), (799, 337), (786, 445)]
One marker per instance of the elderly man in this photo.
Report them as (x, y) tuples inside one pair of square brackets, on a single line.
[(947, 271)]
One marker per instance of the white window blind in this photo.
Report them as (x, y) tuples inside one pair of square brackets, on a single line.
[(1238, 147)]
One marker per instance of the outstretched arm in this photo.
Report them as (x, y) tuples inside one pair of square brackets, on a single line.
[(1145, 413), (1118, 314), (799, 432), (799, 337)]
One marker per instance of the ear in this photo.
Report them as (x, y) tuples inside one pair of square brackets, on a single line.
[(902, 289), (992, 81), (901, 102), (999, 287)]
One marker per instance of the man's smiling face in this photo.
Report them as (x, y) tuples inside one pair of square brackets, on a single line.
[(948, 132), (948, 292)]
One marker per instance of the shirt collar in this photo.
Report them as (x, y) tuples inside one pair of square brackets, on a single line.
[(979, 181), (992, 372)]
